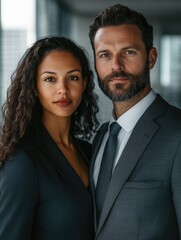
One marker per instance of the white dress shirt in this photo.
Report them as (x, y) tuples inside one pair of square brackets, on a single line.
[(127, 122)]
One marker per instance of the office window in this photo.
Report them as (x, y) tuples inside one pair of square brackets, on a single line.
[(17, 33), (170, 69)]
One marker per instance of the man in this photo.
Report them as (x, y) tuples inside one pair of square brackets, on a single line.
[(143, 196)]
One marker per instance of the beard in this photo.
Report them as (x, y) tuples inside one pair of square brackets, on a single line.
[(120, 94)]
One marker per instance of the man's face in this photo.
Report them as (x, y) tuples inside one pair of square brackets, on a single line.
[(121, 62)]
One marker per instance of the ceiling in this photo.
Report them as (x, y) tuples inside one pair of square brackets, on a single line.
[(154, 9)]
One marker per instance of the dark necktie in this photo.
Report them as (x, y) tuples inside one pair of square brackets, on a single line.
[(106, 166)]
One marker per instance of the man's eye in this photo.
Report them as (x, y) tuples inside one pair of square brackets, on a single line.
[(129, 52), (104, 55)]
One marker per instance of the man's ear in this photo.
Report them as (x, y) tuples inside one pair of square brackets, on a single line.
[(152, 57)]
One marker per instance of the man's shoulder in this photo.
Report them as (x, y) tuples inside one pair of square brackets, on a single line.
[(161, 107), (102, 129)]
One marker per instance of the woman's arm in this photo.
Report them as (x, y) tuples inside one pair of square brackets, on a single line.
[(18, 197)]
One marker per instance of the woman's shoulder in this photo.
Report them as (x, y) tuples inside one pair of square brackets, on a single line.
[(19, 193), (18, 179), (19, 167)]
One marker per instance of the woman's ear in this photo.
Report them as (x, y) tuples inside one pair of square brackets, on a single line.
[(84, 83), (152, 57), (35, 93)]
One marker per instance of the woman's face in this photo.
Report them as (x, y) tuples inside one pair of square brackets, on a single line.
[(60, 84)]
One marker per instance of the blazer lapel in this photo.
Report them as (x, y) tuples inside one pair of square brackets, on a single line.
[(59, 162), (142, 134)]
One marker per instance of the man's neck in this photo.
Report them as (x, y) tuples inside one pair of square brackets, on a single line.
[(121, 107)]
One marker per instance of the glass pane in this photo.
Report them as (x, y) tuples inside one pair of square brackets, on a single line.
[(171, 68), (18, 32)]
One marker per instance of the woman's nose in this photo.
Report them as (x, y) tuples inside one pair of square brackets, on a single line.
[(63, 89)]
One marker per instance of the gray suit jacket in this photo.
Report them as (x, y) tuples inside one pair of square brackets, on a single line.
[(143, 201)]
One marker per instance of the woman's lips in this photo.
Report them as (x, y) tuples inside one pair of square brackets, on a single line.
[(63, 102)]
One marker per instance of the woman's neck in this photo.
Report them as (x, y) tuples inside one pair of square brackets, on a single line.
[(58, 130)]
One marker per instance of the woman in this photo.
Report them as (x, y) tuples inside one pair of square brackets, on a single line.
[(50, 108)]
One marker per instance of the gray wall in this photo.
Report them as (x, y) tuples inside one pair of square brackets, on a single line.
[(75, 24)]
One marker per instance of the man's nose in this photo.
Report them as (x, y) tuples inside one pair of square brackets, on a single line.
[(117, 63)]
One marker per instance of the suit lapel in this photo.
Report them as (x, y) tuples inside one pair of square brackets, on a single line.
[(97, 142), (141, 136), (96, 146)]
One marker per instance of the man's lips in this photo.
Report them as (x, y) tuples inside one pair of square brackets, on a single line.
[(118, 79)]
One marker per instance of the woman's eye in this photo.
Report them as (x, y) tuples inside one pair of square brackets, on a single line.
[(49, 79), (73, 78)]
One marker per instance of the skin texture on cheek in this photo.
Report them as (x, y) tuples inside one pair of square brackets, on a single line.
[(122, 63), (120, 92), (60, 84)]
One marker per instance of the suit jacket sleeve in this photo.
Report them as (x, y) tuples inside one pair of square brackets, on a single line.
[(176, 186), (18, 195)]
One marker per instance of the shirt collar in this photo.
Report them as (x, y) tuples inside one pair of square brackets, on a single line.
[(129, 119)]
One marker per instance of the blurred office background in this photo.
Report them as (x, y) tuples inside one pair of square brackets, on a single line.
[(24, 21)]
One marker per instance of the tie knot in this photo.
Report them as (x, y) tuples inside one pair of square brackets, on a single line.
[(114, 128)]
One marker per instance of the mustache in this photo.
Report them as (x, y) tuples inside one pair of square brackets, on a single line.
[(116, 74)]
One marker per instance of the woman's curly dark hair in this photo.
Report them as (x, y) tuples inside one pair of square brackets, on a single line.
[(22, 109)]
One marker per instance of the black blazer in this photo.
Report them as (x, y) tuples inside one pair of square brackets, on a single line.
[(144, 196), (41, 196)]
